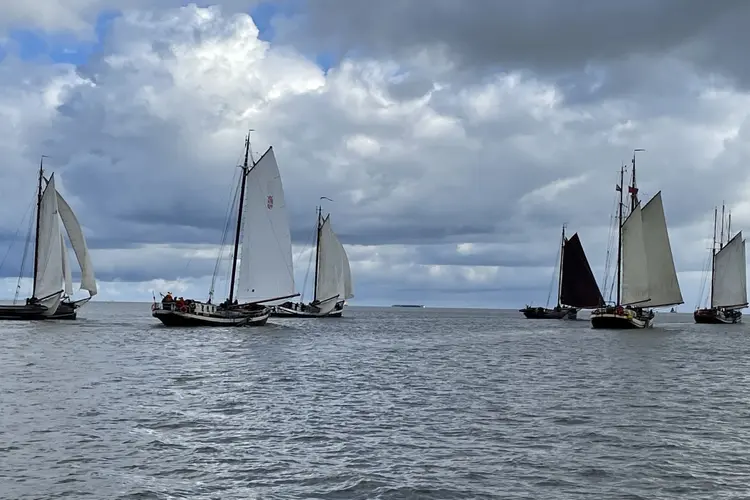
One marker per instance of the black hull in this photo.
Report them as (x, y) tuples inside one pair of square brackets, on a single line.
[(35, 312), (717, 316), (544, 313), (207, 315), (619, 318), (293, 310)]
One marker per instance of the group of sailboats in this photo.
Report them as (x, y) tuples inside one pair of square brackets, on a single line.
[(263, 250), (52, 292), (646, 277)]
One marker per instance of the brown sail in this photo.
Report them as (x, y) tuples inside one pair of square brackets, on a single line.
[(578, 287)]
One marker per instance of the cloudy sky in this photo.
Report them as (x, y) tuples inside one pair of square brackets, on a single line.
[(454, 137)]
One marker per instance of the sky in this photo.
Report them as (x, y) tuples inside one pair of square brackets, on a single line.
[(454, 138)]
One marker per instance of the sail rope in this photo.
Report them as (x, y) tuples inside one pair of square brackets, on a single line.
[(610, 274), (227, 226), (554, 275), (17, 234), (309, 262), (29, 239)]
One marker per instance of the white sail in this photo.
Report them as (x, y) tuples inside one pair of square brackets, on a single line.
[(48, 282), (348, 286), (663, 286), (67, 275), (635, 270), (729, 280), (333, 265), (78, 241), (266, 257)]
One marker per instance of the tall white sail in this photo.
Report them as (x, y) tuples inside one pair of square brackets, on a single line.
[(266, 258), (663, 286), (48, 283), (333, 265), (78, 241), (729, 280), (635, 270), (67, 275), (348, 286)]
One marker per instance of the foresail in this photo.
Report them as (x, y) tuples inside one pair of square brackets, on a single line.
[(78, 242), (634, 265), (579, 287), (67, 275), (48, 283), (663, 286), (348, 285), (730, 281), (332, 265), (266, 257)]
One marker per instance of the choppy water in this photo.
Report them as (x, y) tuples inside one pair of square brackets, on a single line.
[(385, 403)]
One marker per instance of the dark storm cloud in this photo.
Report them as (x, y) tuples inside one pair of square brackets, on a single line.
[(543, 35)]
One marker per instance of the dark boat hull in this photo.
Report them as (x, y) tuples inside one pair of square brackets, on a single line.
[(717, 316), (208, 315), (36, 312), (292, 310), (620, 319), (544, 313)]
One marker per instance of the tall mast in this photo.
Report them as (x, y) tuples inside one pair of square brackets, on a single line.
[(713, 259), (619, 230), (38, 219), (245, 170), (560, 277), (721, 238), (633, 190), (729, 227), (317, 252)]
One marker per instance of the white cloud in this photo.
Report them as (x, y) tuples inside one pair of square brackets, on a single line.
[(446, 186)]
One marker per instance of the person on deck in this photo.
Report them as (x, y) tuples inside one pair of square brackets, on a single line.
[(168, 297)]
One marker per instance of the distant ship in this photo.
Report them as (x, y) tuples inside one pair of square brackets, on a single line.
[(407, 305)]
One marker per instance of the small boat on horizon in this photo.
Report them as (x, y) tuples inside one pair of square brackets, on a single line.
[(264, 250)]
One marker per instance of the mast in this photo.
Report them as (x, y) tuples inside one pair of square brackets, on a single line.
[(729, 228), (38, 219), (619, 230), (245, 170), (633, 190), (317, 253), (560, 276), (713, 260), (721, 238)]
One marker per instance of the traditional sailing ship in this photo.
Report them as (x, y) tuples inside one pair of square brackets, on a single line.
[(646, 276), (577, 287), (333, 278), (263, 246), (728, 292), (52, 291)]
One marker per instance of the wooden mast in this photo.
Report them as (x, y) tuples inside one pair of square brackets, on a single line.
[(560, 276), (713, 261), (619, 232), (38, 219), (317, 253), (245, 170)]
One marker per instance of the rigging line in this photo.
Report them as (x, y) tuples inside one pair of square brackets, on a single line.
[(228, 220), (309, 262), (18, 232), (23, 258), (554, 274)]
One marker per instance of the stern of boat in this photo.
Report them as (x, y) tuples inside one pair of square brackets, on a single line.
[(620, 318)]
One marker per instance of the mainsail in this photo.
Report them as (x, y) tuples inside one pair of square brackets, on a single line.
[(730, 280), (578, 287), (334, 278), (49, 274), (649, 277), (266, 271), (78, 242)]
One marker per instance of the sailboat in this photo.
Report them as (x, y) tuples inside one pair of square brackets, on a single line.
[(68, 308), (577, 287), (728, 278), (50, 278), (646, 276), (333, 278), (265, 256)]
